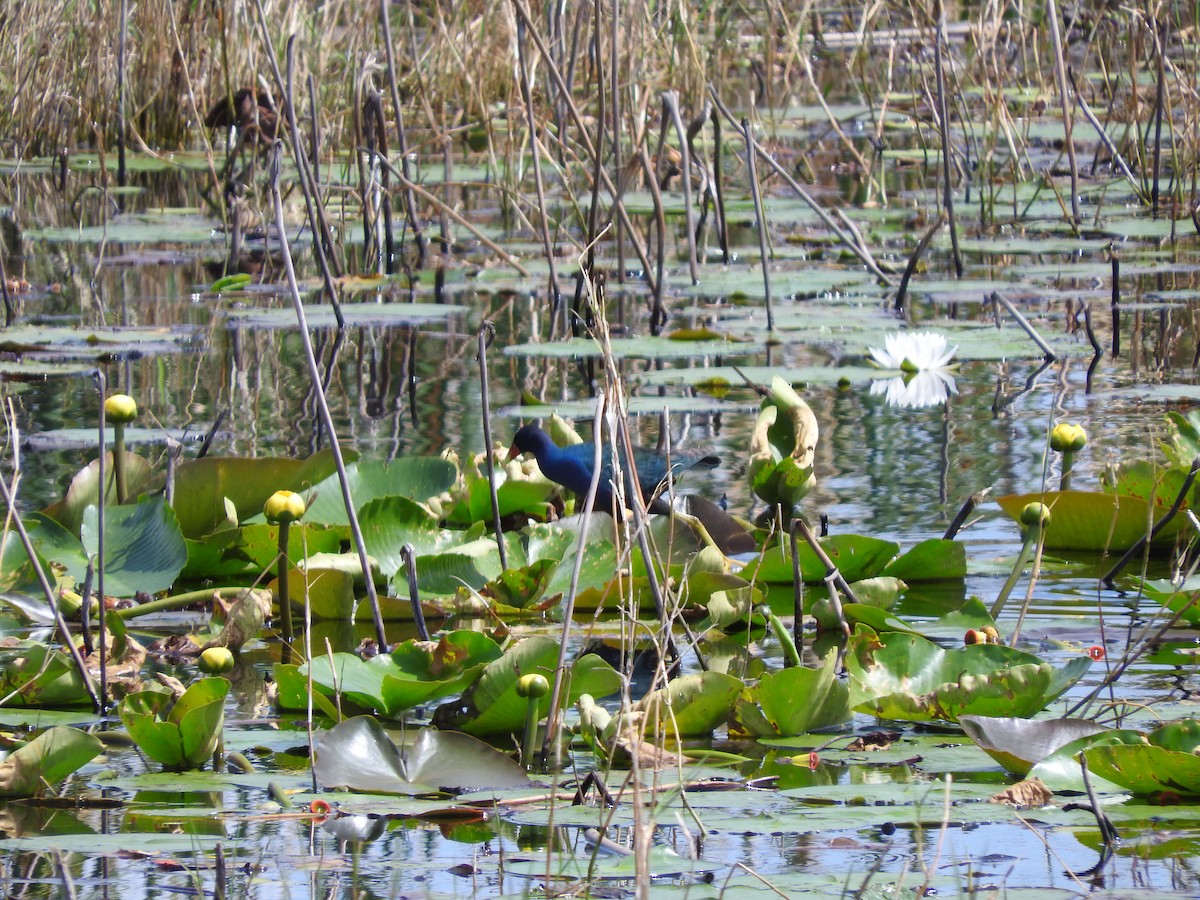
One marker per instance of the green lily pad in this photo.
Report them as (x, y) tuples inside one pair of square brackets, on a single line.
[(794, 700), (415, 477), (357, 315), (1163, 760), (359, 755), (46, 760), (856, 556), (1182, 598), (415, 673), (1091, 520), (84, 490), (491, 705), (143, 548), (182, 734), (203, 487), (934, 559), (692, 705), (1020, 744), (905, 676)]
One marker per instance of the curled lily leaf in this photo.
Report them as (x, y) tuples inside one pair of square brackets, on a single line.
[(783, 447)]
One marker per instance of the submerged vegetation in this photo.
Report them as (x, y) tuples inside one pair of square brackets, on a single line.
[(262, 517)]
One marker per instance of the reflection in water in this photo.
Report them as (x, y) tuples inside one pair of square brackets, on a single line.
[(926, 388)]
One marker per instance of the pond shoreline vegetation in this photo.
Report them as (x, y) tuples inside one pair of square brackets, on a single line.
[(638, 213)]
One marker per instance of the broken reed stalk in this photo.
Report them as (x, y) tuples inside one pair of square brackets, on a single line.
[(670, 101), (1060, 74), (85, 601), (915, 259), (408, 554), (1114, 259), (441, 206), (9, 310), (968, 507), (487, 333), (410, 202), (587, 275), (539, 185), (944, 127), (1170, 514), (1159, 32), (313, 208), (761, 215), (797, 591), (102, 388), (323, 244), (44, 582), (1047, 353), (122, 41), (553, 717), (614, 75), (622, 219), (832, 576), (718, 192), (314, 372), (861, 252), (658, 315), (1109, 144), (445, 236), (314, 130)]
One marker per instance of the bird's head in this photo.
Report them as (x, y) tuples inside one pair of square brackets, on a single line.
[(528, 439)]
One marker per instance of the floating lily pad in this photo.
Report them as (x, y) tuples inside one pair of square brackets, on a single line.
[(413, 674), (1090, 520), (491, 705), (795, 700), (358, 754), (1161, 760), (46, 760), (856, 556), (358, 315), (203, 487), (415, 477), (65, 342), (691, 705), (905, 676), (1019, 744), (636, 348), (144, 550)]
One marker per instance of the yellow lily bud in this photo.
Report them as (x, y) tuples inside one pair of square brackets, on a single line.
[(284, 506), (1066, 436), (532, 685), (215, 660), (1035, 514), (120, 409)]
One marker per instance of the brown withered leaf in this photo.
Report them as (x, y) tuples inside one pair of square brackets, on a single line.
[(1031, 793), (876, 740)]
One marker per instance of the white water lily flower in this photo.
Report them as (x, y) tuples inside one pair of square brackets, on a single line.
[(928, 388), (914, 351)]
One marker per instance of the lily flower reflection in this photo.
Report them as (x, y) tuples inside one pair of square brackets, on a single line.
[(924, 358)]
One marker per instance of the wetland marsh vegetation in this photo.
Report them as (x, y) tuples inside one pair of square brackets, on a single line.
[(283, 279)]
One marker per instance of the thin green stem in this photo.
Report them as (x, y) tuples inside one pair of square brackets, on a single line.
[(119, 462), (285, 601)]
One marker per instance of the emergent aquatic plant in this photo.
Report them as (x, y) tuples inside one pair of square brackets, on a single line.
[(121, 410), (1067, 439), (180, 732), (283, 508), (783, 447)]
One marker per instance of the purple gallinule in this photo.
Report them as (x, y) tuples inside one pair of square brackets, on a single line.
[(571, 467)]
